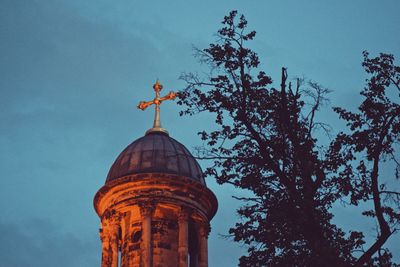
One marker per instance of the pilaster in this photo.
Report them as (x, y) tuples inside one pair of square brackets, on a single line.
[(109, 235), (183, 244), (203, 232), (146, 213)]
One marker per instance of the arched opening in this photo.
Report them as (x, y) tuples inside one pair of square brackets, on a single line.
[(193, 245), (119, 246)]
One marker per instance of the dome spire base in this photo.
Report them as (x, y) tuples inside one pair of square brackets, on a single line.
[(157, 130)]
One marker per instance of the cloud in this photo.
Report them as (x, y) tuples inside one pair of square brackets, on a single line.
[(40, 243), (64, 81), (68, 91), (57, 65)]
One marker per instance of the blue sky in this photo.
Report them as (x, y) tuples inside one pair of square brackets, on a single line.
[(72, 72)]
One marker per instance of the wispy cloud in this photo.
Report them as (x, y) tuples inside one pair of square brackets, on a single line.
[(40, 243)]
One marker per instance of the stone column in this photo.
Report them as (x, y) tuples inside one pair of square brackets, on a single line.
[(109, 239), (146, 212), (183, 244), (203, 231), (114, 243), (105, 248)]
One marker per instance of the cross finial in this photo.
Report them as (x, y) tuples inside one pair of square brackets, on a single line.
[(157, 102)]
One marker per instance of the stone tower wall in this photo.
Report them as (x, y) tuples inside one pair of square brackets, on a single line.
[(155, 220)]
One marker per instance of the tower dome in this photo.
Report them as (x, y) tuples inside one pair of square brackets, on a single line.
[(156, 152)]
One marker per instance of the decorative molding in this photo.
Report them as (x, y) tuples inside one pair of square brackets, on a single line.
[(184, 213), (203, 228), (147, 208)]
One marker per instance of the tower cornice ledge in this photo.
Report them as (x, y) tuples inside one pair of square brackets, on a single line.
[(136, 189)]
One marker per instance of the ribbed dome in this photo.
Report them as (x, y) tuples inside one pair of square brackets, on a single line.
[(156, 152)]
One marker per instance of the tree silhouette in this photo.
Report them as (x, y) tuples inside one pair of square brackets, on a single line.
[(264, 142), (373, 139)]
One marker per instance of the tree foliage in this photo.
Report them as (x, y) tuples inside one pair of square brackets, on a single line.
[(265, 142), (373, 139)]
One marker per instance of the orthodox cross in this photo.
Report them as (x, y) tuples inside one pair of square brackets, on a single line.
[(157, 102)]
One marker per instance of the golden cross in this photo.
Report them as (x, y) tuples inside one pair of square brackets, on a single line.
[(157, 102)]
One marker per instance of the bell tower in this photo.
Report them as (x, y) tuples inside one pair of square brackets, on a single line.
[(155, 208)]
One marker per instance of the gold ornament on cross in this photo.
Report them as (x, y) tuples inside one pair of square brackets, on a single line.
[(157, 102)]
